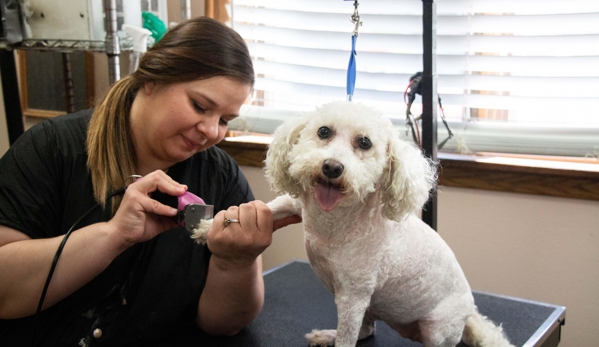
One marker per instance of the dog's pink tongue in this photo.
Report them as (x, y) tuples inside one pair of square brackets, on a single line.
[(327, 196)]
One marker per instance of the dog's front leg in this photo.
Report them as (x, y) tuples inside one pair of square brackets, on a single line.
[(284, 206), (350, 318), (281, 207), (350, 315)]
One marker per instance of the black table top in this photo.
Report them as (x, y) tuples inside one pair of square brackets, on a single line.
[(296, 302)]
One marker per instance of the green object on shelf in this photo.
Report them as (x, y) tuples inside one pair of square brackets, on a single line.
[(154, 24)]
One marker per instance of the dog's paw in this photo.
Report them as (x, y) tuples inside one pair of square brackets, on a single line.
[(200, 233), (321, 338)]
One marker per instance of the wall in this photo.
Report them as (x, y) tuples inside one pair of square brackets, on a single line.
[(528, 246), (288, 242)]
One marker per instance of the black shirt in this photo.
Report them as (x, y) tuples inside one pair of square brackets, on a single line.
[(150, 291)]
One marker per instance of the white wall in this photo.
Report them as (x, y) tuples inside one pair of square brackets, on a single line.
[(528, 246)]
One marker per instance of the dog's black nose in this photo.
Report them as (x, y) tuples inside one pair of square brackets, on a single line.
[(332, 168)]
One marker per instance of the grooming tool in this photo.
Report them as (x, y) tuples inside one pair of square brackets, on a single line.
[(192, 210)]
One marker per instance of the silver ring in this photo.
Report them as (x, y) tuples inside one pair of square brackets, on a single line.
[(229, 221)]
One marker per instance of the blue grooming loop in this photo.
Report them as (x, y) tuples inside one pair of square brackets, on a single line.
[(351, 67)]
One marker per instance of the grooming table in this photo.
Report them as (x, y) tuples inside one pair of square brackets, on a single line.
[(297, 302)]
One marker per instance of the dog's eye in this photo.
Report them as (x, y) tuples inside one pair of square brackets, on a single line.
[(364, 143), (324, 132)]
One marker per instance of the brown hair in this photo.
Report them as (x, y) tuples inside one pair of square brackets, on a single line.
[(196, 49)]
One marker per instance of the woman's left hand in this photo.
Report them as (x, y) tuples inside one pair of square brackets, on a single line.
[(237, 245), (234, 291)]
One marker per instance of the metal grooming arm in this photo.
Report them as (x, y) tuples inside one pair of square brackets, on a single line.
[(429, 100)]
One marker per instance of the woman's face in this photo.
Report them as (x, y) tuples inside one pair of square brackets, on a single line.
[(170, 123)]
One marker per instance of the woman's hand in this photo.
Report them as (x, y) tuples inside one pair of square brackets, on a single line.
[(139, 217), (24, 262), (234, 291), (237, 245)]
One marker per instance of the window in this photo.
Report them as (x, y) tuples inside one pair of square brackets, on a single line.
[(513, 76)]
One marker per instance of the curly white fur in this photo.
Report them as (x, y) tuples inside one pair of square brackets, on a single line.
[(358, 189), (200, 232)]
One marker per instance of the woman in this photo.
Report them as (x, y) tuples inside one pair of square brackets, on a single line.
[(128, 275)]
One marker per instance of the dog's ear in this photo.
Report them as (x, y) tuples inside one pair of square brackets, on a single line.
[(277, 161), (407, 179)]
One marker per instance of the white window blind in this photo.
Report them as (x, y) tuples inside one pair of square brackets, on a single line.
[(513, 76)]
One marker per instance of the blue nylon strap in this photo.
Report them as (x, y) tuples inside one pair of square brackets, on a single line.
[(351, 69)]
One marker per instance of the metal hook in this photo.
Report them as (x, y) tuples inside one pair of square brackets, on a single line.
[(355, 18)]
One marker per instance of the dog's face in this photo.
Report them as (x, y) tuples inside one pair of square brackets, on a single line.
[(342, 153)]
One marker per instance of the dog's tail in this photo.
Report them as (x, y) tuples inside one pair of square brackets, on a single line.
[(481, 332)]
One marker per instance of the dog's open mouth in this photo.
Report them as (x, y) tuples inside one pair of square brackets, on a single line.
[(327, 195)]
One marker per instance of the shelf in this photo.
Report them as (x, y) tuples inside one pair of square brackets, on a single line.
[(60, 45)]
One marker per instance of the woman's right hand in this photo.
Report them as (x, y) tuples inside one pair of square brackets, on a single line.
[(24, 262), (139, 218)]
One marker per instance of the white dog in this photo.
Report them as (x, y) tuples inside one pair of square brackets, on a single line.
[(358, 188)]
